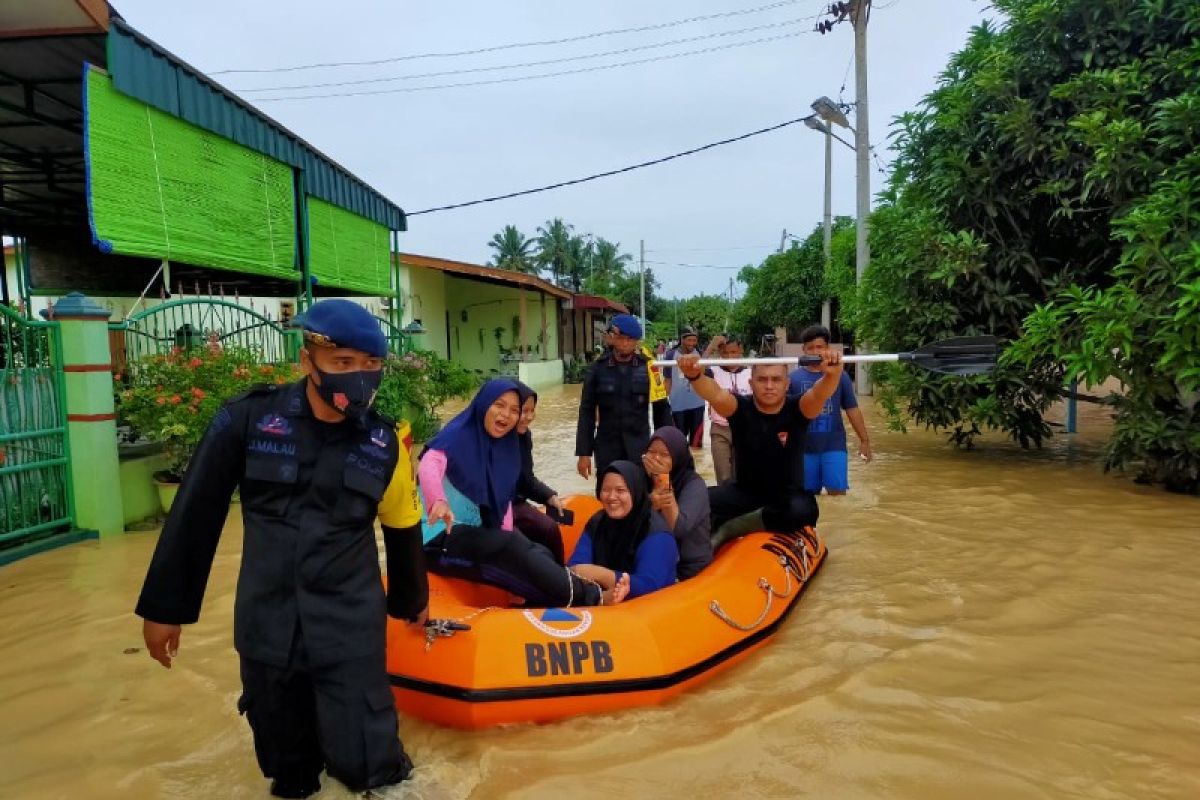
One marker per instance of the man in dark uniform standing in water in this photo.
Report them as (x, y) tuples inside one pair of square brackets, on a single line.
[(316, 465), (614, 411)]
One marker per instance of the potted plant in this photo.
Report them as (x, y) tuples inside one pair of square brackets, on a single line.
[(172, 398)]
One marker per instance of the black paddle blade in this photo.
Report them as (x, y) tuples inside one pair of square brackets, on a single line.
[(961, 355)]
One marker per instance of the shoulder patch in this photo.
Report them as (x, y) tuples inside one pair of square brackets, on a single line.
[(385, 419)]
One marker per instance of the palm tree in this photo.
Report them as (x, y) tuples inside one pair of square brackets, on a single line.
[(512, 250), (608, 265), (554, 247), (578, 261)]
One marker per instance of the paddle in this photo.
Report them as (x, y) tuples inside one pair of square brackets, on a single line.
[(960, 355)]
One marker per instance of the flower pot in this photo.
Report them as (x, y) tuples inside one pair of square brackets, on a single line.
[(166, 492)]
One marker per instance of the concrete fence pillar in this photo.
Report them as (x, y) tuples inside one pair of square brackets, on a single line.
[(91, 414)]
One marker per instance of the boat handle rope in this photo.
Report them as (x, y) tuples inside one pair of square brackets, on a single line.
[(445, 628), (771, 591)]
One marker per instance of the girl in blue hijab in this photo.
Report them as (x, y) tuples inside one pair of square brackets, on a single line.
[(469, 473)]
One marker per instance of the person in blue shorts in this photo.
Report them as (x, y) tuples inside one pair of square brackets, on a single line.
[(825, 460)]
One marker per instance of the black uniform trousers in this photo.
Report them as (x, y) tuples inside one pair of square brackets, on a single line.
[(539, 528), (509, 560), (690, 423), (305, 718), (784, 514)]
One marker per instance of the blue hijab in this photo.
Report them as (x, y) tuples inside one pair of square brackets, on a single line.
[(483, 469)]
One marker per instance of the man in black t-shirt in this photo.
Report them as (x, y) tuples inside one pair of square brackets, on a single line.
[(768, 442)]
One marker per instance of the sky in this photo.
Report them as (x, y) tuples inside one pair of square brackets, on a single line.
[(701, 217)]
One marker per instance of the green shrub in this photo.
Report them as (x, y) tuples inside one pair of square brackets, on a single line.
[(416, 385)]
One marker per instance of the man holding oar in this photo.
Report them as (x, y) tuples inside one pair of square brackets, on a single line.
[(768, 428)]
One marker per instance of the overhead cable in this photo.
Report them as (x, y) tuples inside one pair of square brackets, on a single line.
[(520, 78), (542, 63), (693, 266), (710, 249), (513, 45), (609, 173)]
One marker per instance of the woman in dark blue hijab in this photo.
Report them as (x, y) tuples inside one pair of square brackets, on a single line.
[(468, 478), (469, 472)]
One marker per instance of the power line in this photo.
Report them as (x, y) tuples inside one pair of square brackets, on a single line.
[(694, 266), (599, 175), (521, 78), (542, 63), (513, 45), (846, 76), (710, 249)]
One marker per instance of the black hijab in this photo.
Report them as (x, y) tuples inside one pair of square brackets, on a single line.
[(525, 439), (683, 467), (524, 392), (615, 541)]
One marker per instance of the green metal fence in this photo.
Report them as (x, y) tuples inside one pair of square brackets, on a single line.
[(196, 322), (35, 492), (399, 342)]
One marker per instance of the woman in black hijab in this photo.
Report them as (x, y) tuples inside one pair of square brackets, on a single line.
[(537, 526), (681, 497), (625, 543)]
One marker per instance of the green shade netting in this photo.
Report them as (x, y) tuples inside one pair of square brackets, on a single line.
[(159, 187), (347, 251)]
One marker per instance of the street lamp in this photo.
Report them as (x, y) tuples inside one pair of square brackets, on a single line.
[(828, 111)]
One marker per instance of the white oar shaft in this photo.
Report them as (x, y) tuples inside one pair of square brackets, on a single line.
[(789, 361)]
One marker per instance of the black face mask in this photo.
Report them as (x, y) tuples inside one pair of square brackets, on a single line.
[(351, 393)]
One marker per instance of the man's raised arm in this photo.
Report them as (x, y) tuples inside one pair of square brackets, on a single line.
[(722, 401), (812, 401)]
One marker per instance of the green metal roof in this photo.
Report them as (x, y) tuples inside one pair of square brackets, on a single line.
[(144, 70)]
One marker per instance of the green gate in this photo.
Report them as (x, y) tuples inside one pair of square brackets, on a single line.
[(196, 322), (35, 491), (399, 340)]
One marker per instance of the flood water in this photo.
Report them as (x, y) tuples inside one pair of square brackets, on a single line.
[(994, 624)]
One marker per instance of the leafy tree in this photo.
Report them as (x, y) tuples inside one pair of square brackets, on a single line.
[(841, 276), (785, 290), (627, 289), (555, 248), (1052, 173), (607, 265), (512, 250), (709, 314), (578, 261)]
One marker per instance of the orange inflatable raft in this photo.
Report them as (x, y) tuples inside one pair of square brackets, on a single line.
[(537, 665)]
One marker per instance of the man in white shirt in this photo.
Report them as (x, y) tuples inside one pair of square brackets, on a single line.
[(735, 380)]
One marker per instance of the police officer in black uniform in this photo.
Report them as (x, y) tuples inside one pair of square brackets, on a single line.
[(617, 384), (316, 465)]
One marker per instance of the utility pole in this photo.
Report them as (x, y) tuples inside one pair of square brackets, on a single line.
[(858, 12), (826, 311), (782, 240), (642, 250), (862, 147), (729, 310)]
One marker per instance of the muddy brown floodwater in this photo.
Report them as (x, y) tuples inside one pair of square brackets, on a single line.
[(995, 624)]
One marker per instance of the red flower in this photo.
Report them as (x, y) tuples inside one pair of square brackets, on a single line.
[(195, 362), (160, 400), (176, 400), (197, 393)]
